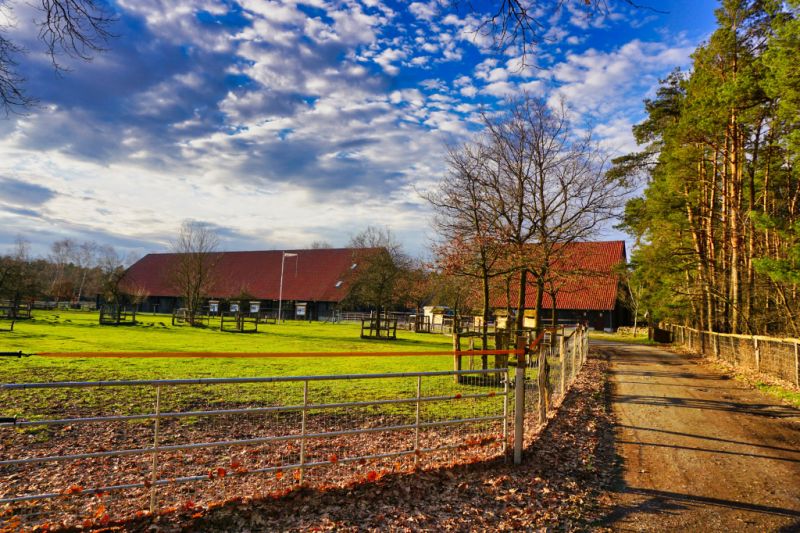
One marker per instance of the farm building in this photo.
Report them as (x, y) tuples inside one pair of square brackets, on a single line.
[(586, 284), (314, 281)]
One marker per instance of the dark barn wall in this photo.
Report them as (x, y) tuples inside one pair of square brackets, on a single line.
[(314, 310), (159, 304), (600, 320)]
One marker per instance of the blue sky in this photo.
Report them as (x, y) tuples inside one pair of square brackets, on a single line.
[(283, 123)]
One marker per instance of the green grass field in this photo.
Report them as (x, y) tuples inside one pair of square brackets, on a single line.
[(640, 338), (76, 332)]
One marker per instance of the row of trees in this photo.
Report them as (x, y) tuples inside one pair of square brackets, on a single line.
[(71, 272), (517, 196), (718, 227)]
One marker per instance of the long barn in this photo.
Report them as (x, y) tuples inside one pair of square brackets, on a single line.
[(314, 281)]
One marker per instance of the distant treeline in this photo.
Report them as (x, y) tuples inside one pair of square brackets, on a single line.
[(71, 272)]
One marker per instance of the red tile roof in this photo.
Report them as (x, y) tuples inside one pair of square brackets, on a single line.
[(586, 279), (310, 276)]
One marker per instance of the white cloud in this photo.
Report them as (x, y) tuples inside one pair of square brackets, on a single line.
[(469, 91), (423, 10), (387, 58), (500, 89), (604, 81), (434, 84), (616, 135), (310, 117)]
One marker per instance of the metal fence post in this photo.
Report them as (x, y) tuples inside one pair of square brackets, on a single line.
[(154, 469), (416, 423), (519, 400), (303, 432), (563, 360)]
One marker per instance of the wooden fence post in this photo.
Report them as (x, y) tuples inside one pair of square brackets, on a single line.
[(757, 354), (796, 365), (715, 344), (541, 379), (563, 360), (519, 401), (456, 354)]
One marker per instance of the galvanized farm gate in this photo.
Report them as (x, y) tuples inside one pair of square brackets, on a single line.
[(82, 452)]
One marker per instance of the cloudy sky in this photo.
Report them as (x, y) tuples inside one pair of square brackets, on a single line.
[(283, 123)]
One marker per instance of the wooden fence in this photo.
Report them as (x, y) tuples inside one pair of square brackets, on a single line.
[(775, 357)]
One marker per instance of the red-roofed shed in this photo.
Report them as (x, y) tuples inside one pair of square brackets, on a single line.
[(586, 283), (317, 278)]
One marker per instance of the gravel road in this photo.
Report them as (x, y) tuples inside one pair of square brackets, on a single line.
[(698, 450)]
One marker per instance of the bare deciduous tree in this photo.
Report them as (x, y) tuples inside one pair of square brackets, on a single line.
[(195, 264), (380, 264), (60, 285), (112, 268), (550, 189), (522, 25), (83, 256), (633, 293), (18, 276), (75, 28), (547, 188), (534, 186), (466, 247)]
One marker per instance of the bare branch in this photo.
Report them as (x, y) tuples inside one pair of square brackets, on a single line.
[(76, 28)]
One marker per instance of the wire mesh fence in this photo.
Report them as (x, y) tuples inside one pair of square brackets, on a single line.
[(564, 353), (775, 357), (79, 453)]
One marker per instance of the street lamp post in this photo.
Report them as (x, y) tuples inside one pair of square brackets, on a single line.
[(280, 289)]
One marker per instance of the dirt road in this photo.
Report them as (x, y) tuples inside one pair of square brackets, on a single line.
[(699, 451)]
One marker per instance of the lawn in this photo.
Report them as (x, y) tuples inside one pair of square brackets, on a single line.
[(79, 331), (76, 332), (640, 338)]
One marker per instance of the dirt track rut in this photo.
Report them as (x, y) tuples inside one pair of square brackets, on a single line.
[(699, 451)]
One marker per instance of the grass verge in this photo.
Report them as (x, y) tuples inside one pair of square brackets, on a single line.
[(788, 396), (616, 337)]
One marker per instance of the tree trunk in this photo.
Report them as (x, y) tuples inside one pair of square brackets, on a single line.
[(523, 283), (539, 304), (486, 304)]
